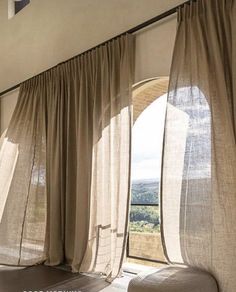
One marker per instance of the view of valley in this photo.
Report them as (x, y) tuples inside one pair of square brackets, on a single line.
[(145, 218), (144, 228)]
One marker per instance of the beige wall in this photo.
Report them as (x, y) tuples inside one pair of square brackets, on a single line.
[(154, 48), (47, 32)]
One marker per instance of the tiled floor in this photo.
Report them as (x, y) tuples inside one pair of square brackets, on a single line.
[(43, 278)]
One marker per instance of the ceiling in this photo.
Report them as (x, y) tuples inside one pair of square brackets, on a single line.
[(46, 32)]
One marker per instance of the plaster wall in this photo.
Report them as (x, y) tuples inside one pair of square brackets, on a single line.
[(47, 32)]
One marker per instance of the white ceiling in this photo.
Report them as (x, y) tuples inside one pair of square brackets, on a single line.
[(47, 32)]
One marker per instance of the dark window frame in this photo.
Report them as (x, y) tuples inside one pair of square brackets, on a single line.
[(19, 5)]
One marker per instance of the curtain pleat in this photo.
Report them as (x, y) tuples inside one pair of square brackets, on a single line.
[(66, 188), (199, 163)]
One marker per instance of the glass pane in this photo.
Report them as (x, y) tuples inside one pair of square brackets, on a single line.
[(144, 233)]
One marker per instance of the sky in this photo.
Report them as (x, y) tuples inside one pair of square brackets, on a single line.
[(147, 141)]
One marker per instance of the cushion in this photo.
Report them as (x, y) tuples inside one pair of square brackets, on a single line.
[(174, 279)]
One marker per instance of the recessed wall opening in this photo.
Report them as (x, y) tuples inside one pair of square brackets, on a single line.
[(15, 6), (144, 244)]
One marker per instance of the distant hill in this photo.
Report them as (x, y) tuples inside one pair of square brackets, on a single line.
[(145, 192)]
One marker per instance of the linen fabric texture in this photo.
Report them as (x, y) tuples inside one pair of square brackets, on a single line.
[(199, 160), (65, 164)]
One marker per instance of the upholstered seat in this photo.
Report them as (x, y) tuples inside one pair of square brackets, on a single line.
[(174, 279)]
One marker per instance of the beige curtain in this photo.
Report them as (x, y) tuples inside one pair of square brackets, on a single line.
[(199, 164), (22, 183), (66, 185)]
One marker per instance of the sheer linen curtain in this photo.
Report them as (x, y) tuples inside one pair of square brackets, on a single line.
[(22, 183), (65, 164), (199, 163)]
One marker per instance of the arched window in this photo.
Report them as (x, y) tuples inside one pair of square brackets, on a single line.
[(149, 107)]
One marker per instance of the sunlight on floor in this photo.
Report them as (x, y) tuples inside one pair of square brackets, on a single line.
[(130, 271)]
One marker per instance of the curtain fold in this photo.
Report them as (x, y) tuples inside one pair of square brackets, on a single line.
[(66, 189), (199, 163)]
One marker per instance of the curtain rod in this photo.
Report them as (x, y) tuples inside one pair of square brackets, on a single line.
[(130, 31)]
